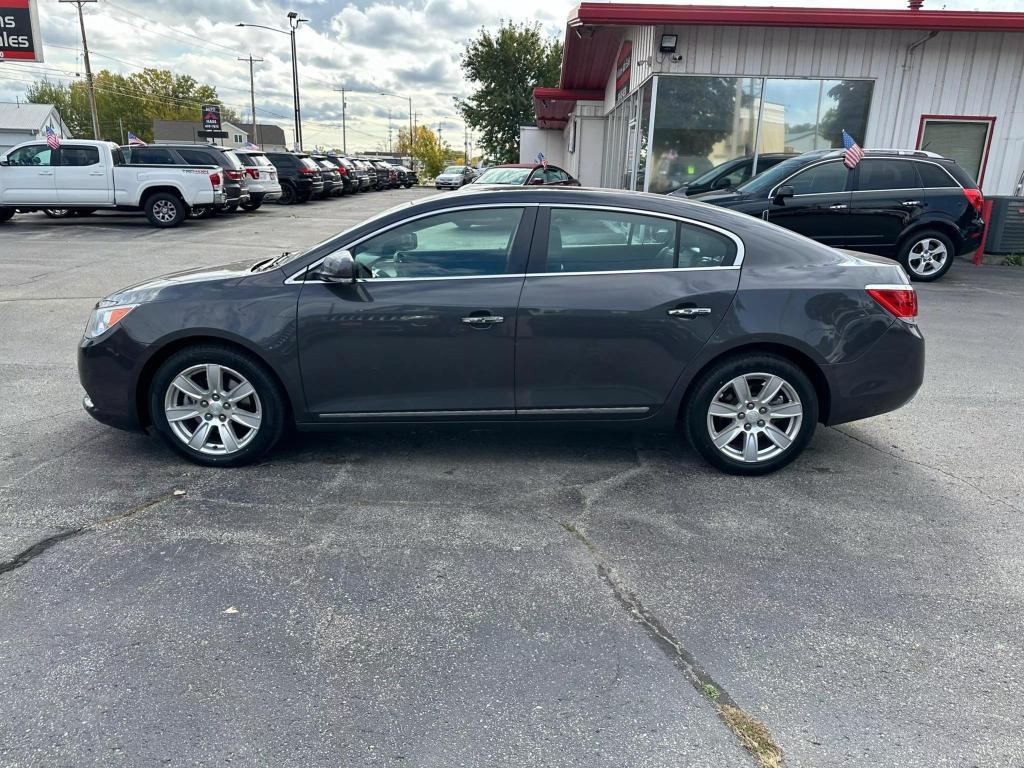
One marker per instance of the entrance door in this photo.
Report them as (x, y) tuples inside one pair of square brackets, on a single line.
[(82, 177), (820, 205), (28, 179), (623, 301), (429, 327)]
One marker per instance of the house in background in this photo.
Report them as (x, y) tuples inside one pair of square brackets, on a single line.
[(25, 122), (175, 131), (267, 136)]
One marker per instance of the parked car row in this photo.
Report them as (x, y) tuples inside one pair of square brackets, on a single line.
[(170, 182)]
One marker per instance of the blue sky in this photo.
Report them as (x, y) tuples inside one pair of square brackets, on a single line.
[(406, 47)]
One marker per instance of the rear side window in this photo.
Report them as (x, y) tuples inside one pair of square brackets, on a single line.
[(820, 180), (152, 156), (284, 161), (79, 156), (887, 174), (933, 177), (703, 247), (247, 160), (197, 157), (581, 240)]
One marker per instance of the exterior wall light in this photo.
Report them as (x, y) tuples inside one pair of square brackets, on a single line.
[(668, 43)]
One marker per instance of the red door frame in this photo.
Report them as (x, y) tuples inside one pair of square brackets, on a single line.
[(964, 119)]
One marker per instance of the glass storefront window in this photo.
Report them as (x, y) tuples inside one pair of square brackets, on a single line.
[(804, 115), (700, 122)]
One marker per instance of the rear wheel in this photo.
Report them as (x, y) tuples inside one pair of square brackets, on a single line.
[(751, 414), (165, 210), (233, 208), (251, 206), (927, 255), (217, 406), (287, 194)]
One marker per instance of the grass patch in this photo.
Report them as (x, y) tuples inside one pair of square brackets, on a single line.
[(754, 736), (1014, 260), (711, 692)]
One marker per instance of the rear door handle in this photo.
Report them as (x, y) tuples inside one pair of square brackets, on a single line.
[(483, 320), (838, 207), (911, 203), (689, 311), (46, 173)]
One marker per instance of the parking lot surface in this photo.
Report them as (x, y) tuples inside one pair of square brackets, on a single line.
[(493, 598)]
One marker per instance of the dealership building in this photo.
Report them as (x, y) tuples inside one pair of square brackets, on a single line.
[(652, 96)]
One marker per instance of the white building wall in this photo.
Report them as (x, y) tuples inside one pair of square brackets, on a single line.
[(533, 140), (956, 73)]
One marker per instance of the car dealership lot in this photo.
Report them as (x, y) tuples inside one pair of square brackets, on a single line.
[(473, 597)]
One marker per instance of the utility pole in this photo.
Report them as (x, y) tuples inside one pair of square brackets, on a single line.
[(252, 94), (344, 138), (389, 132), (465, 144), (120, 125), (88, 69)]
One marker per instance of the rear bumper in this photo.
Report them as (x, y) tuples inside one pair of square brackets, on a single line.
[(883, 379)]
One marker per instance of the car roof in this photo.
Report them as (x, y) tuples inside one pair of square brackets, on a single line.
[(515, 165)]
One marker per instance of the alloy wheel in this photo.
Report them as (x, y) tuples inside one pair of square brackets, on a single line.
[(213, 409), (164, 211), (927, 256), (754, 417)]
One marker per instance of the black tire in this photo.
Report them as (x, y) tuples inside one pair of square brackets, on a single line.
[(272, 405), (304, 198), (695, 414), (233, 208), (6, 214), (918, 252), (251, 206), (408, 185), (288, 195), (165, 210)]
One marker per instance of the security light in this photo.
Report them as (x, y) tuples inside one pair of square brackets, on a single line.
[(668, 43)]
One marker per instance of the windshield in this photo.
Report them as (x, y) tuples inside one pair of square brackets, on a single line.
[(763, 182), (453, 169), (708, 176), (504, 176)]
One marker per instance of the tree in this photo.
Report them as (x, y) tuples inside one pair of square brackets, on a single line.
[(506, 66), (851, 100), (425, 148), (128, 102)]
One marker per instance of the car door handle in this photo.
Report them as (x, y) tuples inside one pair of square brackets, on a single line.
[(689, 311), (97, 173), (46, 173), (911, 203), (838, 207), (483, 320)]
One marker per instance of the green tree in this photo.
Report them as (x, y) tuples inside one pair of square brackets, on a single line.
[(128, 102), (425, 148), (506, 66), (849, 111)]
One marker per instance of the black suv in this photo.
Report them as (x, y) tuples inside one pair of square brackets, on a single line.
[(347, 169), (917, 207), (730, 174), (334, 185), (236, 189), (300, 177)]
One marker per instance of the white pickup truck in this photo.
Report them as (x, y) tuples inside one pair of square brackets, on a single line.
[(84, 176)]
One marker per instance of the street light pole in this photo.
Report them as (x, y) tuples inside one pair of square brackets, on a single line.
[(252, 96), (344, 138), (88, 69), (293, 23)]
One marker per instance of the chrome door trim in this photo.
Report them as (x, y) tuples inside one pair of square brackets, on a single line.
[(632, 271), (630, 409), (608, 411)]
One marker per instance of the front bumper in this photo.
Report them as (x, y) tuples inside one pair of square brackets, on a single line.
[(884, 378), (107, 372)]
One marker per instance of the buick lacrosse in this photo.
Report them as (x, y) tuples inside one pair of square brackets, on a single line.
[(538, 304)]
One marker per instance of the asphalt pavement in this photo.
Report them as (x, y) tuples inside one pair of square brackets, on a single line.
[(499, 598)]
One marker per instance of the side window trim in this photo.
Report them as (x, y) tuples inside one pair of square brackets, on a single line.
[(538, 251), (784, 182), (860, 166)]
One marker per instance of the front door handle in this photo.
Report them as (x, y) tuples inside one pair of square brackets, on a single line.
[(911, 203), (838, 207), (689, 311), (46, 173), (483, 320)]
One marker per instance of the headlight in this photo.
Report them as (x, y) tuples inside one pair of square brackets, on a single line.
[(103, 319)]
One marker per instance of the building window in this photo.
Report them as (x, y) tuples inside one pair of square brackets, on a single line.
[(238, 138), (964, 139), (701, 122)]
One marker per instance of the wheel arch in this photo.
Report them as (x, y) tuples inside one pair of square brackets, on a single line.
[(148, 192), (153, 363), (947, 228), (803, 361)]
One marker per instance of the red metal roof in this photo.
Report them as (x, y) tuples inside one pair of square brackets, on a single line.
[(553, 105)]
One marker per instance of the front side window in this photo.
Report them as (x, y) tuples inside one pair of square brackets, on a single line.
[(887, 174), (79, 156), (35, 154), (821, 179), (152, 156), (456, 244), (581, 240)]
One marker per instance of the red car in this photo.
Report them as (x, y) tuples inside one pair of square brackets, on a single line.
[(524, 175)]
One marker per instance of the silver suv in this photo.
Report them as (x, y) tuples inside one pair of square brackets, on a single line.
[(264, 186)]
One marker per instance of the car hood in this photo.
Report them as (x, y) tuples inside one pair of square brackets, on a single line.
[(448, 177), (725, 197), (160, 288)]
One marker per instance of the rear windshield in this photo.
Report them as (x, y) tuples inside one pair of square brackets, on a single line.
[(231, 161), (504, 176), (309, 163)]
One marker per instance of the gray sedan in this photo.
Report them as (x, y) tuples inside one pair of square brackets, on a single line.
[(565, 305)]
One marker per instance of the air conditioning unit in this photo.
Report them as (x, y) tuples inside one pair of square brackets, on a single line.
[(1006, 226)]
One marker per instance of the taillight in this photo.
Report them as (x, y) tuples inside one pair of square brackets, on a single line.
[(975, 198), (233, 175), (254, 172), (343, 170), (899, 300), (304, 171), (214, 180)]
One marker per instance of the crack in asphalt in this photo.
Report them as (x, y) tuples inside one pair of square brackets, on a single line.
[(924, 465), (752, 734), (40, 547)]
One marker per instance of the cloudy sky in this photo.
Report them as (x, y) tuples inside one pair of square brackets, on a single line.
[(405, 47)]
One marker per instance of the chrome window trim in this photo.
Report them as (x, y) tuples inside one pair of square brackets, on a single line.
[(775, 189), (297, 277), (612, 410)]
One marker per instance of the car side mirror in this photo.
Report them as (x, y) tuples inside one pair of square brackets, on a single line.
[(536, 182), (337, 267), (782, 193)]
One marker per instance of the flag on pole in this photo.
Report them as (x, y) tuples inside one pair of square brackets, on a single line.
[(853, 154), (250, 145), (542, 160), (135, 141), (52, 139)]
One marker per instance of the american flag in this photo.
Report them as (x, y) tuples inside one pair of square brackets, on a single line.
[(52, 139), (135, 141), (853, 154), (250, 145)]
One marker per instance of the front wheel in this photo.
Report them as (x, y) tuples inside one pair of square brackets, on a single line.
[(216, 406), (165, 210), (751, 414), (927, 255)]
